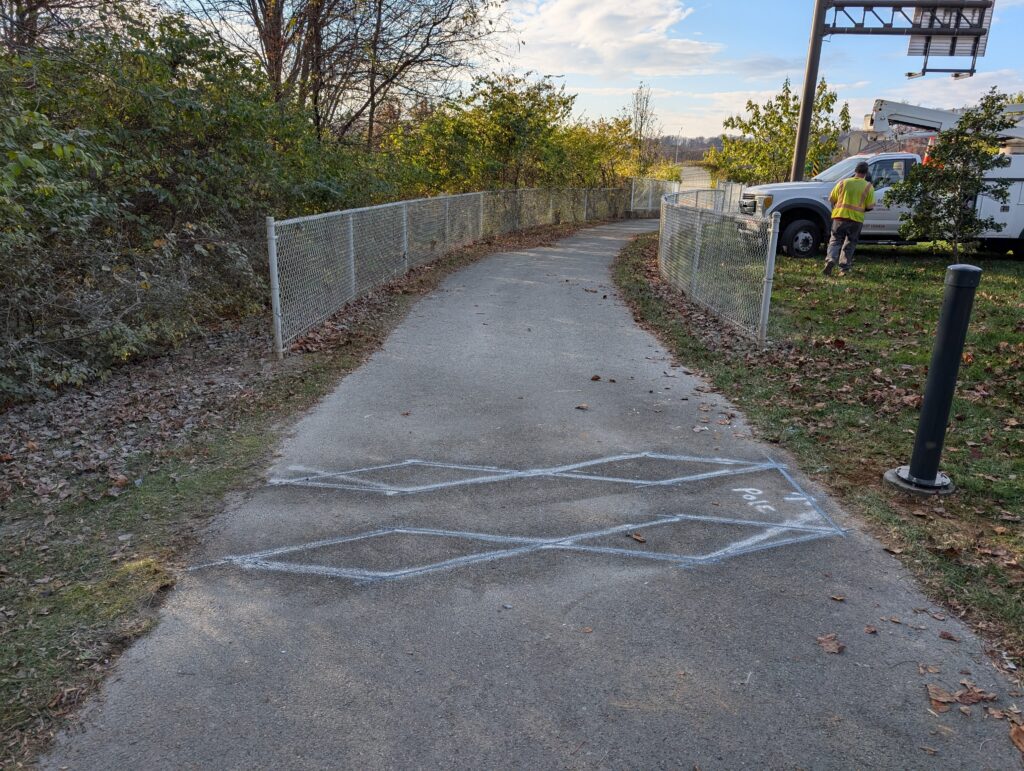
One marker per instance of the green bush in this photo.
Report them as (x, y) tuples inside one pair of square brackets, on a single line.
[(140, 160)]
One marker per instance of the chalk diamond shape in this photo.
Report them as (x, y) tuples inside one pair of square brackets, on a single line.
[(762, 517)]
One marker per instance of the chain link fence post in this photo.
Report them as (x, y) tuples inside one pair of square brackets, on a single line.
[(352, 257), (275, 289), (405, 235), (447, 222), (697, 235), (769, 279)]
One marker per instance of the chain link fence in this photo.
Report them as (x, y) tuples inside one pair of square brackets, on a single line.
[(646, 193), (719, 258), (321, 262)]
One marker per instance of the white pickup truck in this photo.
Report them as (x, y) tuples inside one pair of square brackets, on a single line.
[(806, 210)]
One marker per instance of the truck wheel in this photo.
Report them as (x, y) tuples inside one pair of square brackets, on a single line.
[(1004, 246), (801, 238)]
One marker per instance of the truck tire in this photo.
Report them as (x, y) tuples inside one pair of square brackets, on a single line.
[(1004, 245), (801, 238)]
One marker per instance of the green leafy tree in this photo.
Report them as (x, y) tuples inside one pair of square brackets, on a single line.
[(590, 154), (762, 149), (510, 131), (941, 195)]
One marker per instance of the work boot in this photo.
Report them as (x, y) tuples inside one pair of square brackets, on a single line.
[(827, 270)]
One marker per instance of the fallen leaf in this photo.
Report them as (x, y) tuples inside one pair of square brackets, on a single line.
[(1017, 737), (638, 538), (927, 669), (595, 378), (965, 711), (948, 636), (583, 406), (971, 694), (586, 630), (940, 698), (838, 598), (929, 750), (893, 550), (830, 643), (406, 414), (870, 630)]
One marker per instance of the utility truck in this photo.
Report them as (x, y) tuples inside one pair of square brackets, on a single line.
[(806, 211)]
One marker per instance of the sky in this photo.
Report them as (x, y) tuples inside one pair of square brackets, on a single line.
[(703, 59)]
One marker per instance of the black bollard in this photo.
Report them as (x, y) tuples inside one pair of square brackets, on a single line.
[(922, 476)]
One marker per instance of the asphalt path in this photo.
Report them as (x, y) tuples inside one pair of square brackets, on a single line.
[(521, 536)]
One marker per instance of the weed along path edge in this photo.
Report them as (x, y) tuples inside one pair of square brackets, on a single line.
[(519, 536)]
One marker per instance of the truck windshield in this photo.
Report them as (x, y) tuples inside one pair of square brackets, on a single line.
[(840, 170)]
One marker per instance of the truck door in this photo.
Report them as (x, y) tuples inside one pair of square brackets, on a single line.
[(884, 220)]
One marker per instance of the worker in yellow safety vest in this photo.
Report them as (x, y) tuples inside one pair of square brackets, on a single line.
[(851, 198)]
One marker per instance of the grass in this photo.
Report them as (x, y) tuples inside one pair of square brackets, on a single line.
[(840, 389), (79, 582)]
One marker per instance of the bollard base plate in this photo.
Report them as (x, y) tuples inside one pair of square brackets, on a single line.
[(900, 479)]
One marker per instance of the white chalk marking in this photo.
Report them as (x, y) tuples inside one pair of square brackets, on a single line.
[(811, 524), (348, 480)]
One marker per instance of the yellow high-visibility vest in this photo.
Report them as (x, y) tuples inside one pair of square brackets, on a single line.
[(851, 198)]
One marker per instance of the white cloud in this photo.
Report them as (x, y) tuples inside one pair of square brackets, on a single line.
[(607, 38), (701, 114), (950, 93)]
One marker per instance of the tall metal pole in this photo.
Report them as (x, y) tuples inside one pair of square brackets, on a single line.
[(803, 129)]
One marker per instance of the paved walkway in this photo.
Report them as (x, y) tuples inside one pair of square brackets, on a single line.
[(518, 537)]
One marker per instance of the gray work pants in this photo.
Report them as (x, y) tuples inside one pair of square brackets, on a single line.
[(845, 235)]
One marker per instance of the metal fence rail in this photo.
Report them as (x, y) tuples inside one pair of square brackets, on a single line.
[(321, 262), (719, 258)]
